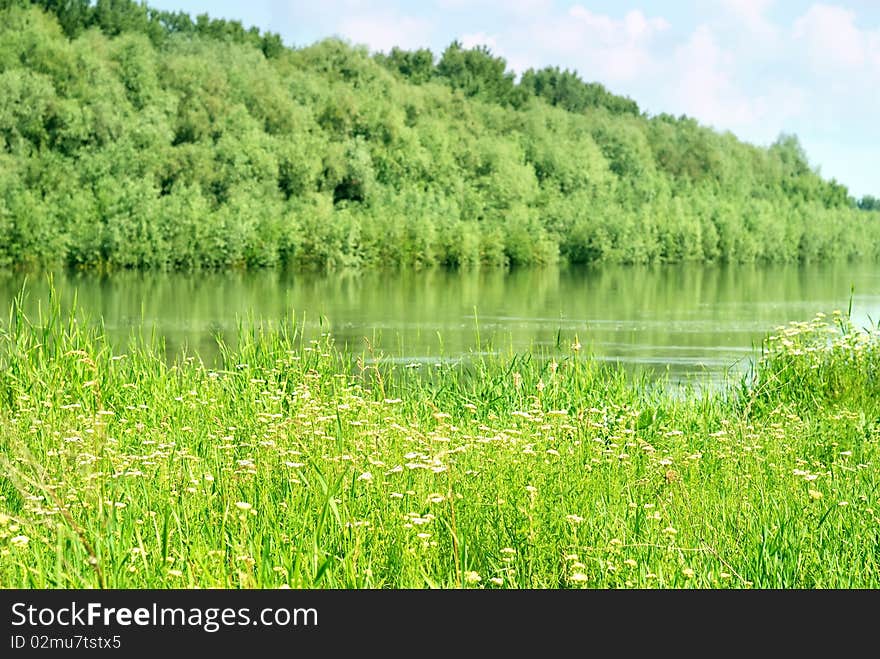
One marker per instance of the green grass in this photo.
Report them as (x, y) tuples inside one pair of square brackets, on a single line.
[(293, 464)]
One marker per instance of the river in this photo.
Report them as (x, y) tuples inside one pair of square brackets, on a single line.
[(693, 322)]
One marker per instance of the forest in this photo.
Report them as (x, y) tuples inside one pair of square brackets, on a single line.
[(138, 138)]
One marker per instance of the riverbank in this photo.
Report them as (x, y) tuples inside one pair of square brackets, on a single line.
[(285, 468)]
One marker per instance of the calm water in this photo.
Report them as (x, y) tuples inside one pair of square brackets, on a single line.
[(694, 321)]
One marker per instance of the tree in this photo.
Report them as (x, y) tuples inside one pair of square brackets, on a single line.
[(477, 72), (788, 150), (118, 16), (73, 15), (869, 203), (416, 66), (567, 90), (132, 137)]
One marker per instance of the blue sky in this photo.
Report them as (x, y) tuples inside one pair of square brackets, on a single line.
[(754, 67)]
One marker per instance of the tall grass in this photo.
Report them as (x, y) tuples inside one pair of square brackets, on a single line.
[(297, 464)]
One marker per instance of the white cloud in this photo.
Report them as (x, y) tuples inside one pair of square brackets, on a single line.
[(383, 32), (707, 89), (704, 86), (521, 7), (774, 110), (615, 49), (526, 7), (479, 39), (833, 41), (752, 14), (635, 26)]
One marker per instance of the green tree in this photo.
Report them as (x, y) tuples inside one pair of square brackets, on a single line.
[(416, 66), (869, 203), (138, 138), (477, 72), (567, 90)]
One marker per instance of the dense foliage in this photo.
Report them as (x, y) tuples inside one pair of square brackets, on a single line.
[(131, 137)]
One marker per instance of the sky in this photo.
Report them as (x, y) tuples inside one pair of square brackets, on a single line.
[(754, 67)]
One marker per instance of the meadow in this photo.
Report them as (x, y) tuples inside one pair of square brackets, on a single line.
[(293, 463)]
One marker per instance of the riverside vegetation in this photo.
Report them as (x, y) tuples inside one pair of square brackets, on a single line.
[(138, 138), (295, 464)]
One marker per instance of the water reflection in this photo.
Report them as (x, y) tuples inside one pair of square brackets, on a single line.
[(688, 320)]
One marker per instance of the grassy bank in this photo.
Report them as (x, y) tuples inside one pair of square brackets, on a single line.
[(290, 466)]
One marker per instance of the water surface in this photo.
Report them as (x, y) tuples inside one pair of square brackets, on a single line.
[(690, 321)]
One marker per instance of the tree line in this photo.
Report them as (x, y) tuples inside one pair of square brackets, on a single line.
[(137, 138)]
